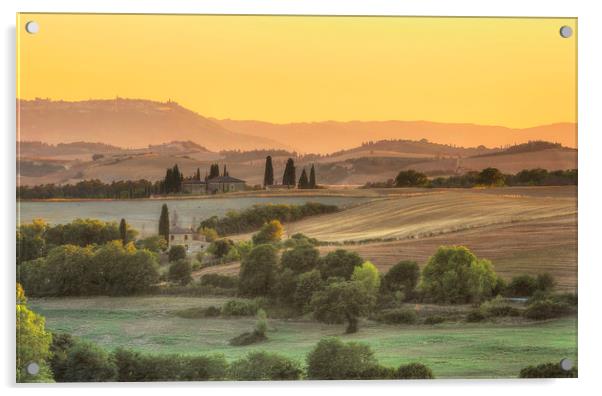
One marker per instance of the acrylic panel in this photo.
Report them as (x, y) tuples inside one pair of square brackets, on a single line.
[(234, 197)]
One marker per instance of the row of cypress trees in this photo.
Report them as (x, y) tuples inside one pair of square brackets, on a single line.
[(289, 177)]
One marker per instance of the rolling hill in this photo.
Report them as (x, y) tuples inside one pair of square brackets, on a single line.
[(330, 136)]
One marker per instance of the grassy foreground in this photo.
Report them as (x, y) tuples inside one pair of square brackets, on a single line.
[(452, 350)]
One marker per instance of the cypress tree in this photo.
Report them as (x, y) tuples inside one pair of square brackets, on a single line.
[(164, 223), (312, 177), (123, 231), (198, 174), (268, 176), (289, 178), (213, 171), (225, 171), (303, 182)]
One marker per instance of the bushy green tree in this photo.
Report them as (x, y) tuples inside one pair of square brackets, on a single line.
[(301, 258), (368, 275), (177, 252), (342, 301), (491, 177), (264, 366), (411, 178), (220, 247), (258, 271), (402, 277), (340, 263), (307, 284), (455, 275), (154, 243), (31, 241), (111, 269), (180, 272), (33, 342), (332, 359), (270, 233)]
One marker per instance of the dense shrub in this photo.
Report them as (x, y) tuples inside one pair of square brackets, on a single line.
[(521, 286), (110, 269), (61, 344), (240, 308), (258, 271), (547, 370), (180, 272), (546, 309), (264, 366), (499, 307), (475, 316), (414, 371), (251, 219), (248, 338), (340, 263), (219, 280), (398, 316), (136, 367), (284, 283), (434, 319), (455, 275), (332, 359), (87, 362), (177, 252), (200, 312), (301, 258)]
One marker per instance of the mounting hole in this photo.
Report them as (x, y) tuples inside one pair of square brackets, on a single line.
[(566, 31), (566, 364), (33, 368), (32, 27)]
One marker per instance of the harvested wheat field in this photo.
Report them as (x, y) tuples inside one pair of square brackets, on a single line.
[(437, 212), (521, 230)]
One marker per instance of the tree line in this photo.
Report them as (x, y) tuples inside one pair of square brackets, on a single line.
[(486, 177)]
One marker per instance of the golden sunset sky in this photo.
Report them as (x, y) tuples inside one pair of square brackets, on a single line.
[(513, 72)]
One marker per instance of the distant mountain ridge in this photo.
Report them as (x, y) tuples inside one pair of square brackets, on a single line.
[(127, 123)]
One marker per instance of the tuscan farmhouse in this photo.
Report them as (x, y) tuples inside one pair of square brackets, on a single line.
[(191, 240)]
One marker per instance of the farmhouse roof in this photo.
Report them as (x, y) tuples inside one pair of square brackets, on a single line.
[(225, 179), (180, 230)]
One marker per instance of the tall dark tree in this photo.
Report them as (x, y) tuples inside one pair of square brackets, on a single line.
[(225, 171), (289, 178), (303, 181), (268, 176), (164, 223), (214, 171), (123, 231), (312, 177), (197, 176)]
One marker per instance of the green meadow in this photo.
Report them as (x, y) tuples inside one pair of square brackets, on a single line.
[(451, 349)]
